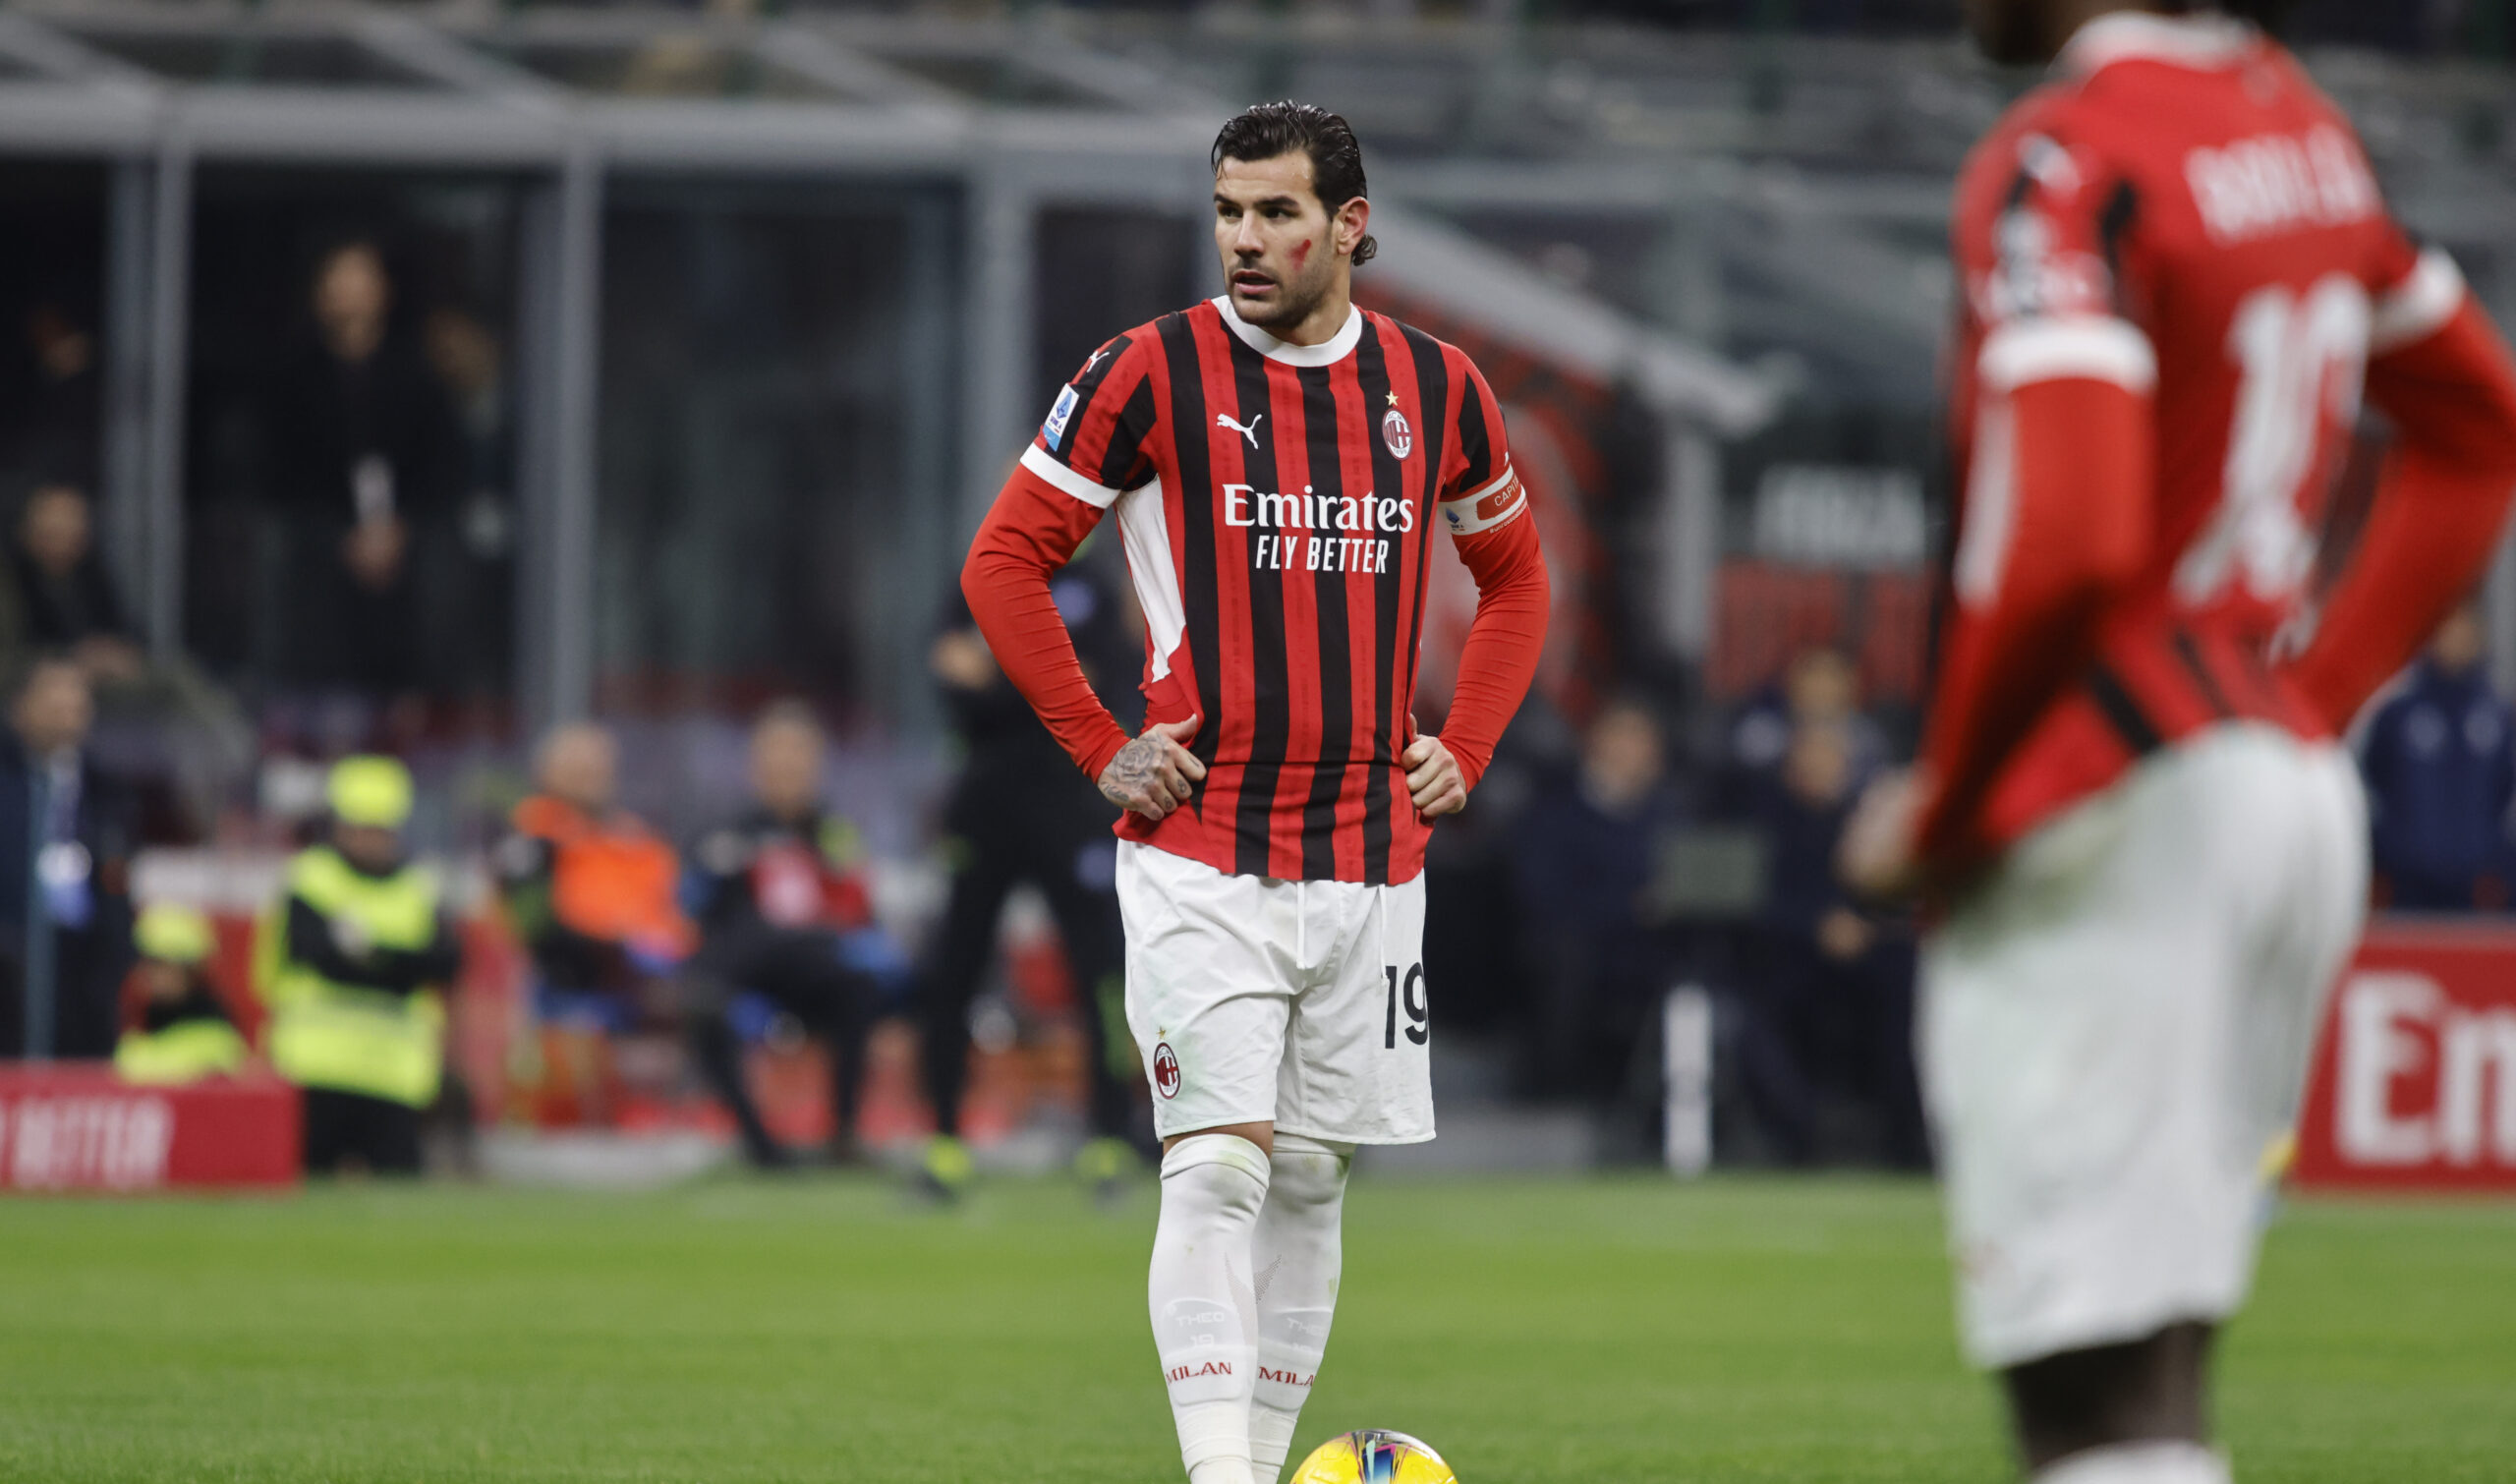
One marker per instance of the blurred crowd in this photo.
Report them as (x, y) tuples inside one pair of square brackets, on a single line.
[(1616, 851)]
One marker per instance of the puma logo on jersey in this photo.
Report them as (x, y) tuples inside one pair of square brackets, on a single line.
[(1248, 430)]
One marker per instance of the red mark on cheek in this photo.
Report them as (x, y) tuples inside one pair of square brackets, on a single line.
[(1302, 255)]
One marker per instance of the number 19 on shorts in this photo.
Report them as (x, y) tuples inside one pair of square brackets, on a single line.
[(1407, 993)]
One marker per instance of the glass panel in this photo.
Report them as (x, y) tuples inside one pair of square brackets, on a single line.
[(775, 470), (668, 67), (246, 57), (1001, 80), (351, 469), (51, 333), (1103, 271)]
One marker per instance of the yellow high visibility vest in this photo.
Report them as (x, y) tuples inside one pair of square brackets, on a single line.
[(346, 1037), (186, 1052)]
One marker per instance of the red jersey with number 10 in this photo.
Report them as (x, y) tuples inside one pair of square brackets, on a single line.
[(2184, 228), (1278, 504)]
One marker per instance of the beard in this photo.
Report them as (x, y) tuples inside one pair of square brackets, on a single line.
[(1296, 298)]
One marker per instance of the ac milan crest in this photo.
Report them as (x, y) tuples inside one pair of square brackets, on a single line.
[(1395, 432), (1165, 1070)]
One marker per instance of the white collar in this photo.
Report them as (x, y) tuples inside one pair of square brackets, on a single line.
[(2202, 41), (1328, 352)]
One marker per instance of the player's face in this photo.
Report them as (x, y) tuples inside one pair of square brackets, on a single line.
[(1277, 243), (2012, 33)]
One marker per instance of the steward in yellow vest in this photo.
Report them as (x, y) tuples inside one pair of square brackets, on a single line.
[(185, 1033), (352, 962)]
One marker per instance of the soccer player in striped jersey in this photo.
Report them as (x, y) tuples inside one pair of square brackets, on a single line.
[(1279, 463), (2178, 279)]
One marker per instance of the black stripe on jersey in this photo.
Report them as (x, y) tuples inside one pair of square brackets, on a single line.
[(1321, 437), (1124, 464), (1098, 371), (1270, 683), (2189, 651), (1198, 601), (1389, 482), (2112, 225), (2121, 711), (1432, 390), (1475, 442)]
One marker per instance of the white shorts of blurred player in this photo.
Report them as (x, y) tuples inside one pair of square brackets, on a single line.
[(2115, 1031), (1300, 1003)]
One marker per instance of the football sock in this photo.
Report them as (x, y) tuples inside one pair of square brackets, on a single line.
[(1296, 1253), (1204, 1312), (2156, 1462)]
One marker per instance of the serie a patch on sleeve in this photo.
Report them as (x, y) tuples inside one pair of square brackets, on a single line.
[(1053, 429)]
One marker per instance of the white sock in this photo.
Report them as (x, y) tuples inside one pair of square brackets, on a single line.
[(2156, 1462), (1204, 1312), (1298, 1250)]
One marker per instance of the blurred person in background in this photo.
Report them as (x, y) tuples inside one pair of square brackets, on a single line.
[(66, 599), (592, 895), (2177, 277), (1828, 992), (470, 636), (365, 449), (184, 1031), (67, 833), (1818, 688), (783, 912), (2439, 760), (1586, 855), (1018, 812), (354, 962), (55, 405)]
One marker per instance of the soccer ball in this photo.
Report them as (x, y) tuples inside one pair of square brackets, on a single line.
[(1374, 1456)]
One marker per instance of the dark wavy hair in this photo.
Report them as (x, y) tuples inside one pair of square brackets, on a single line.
[(1268, 129), (2267, 14)]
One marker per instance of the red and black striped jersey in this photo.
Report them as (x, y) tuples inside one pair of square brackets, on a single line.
[(1278, 504)]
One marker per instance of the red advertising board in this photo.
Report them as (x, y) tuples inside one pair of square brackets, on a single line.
[(2414, 1081), (77, 1126)]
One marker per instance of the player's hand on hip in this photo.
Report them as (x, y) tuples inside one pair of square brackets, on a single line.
[(1433, 777), (1155, 774), (1876, 857)]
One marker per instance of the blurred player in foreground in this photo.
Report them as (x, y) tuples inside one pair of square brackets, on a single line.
[(1278, 461), (2178, 278)]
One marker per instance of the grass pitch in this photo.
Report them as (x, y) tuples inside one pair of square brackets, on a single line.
[(822, 1330)]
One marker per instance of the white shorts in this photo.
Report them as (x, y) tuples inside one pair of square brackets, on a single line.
[(1300, 1003), (2115, 1029)]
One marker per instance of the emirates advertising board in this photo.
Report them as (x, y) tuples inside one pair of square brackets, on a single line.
[(2414, 1080)]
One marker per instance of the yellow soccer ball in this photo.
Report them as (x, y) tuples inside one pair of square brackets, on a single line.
[(1374, 1456)]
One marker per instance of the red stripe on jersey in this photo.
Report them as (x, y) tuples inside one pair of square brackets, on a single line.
[(1356, 421)]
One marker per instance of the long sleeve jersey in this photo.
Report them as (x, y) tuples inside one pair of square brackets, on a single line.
[(1277, 503)]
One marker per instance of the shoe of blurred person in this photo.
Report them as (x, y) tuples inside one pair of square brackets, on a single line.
[(1109, 1166), (945, 1174)]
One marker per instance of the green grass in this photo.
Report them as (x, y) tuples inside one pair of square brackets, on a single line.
[(1535, 1331)]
